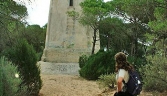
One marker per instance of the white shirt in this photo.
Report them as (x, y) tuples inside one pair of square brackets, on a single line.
[(124, 74)]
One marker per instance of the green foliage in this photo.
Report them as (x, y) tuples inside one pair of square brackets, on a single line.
[(98, 64), (142, 10), (73, 14), (10, 9), (35, 35), (93, 6), (154, 74), (24, 56), (9, 84), (159, 24), (13, 26), (39, 55), (110, 30), (82, 60), (136, 62), (93, 11), (137, 14), (108, 80), (11, 21)]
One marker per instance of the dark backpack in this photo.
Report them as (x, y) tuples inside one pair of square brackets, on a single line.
[(134, 85)]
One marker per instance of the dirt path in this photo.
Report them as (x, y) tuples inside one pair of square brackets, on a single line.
[(67, 85), (70, 85)]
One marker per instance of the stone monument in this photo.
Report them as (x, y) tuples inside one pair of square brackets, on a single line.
[(66, 38)]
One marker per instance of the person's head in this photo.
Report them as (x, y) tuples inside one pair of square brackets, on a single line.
[(121, 62), (120, 57)]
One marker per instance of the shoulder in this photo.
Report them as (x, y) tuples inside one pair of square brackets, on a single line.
[(123, 73), (122, 70)]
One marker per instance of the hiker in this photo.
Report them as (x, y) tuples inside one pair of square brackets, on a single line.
[(122, 75)]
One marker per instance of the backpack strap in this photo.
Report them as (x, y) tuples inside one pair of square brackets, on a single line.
[(124, 89)]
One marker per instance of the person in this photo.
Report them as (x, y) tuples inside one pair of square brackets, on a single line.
[(122, 67)]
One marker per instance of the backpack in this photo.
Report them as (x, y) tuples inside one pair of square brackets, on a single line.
[(134, 85)]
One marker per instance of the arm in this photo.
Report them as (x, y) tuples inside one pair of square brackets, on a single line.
[(119, 83)]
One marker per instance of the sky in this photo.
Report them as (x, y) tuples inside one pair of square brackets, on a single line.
[(38, 11)]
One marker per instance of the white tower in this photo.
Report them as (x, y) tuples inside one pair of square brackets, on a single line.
[(66, 38)]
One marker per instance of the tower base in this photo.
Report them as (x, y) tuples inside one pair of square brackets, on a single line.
[(59, 68), (60, 55)]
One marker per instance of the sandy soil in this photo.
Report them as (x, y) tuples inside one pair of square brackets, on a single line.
[(70, 85)]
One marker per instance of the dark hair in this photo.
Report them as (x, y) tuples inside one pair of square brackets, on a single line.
[(121, 62)]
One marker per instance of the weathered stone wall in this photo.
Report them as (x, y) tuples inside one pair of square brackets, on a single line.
[(59, 68), (64, 55), (66, 38)]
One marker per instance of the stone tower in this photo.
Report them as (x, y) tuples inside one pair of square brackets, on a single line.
[(66, 39)]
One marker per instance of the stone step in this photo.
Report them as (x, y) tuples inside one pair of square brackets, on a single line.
[(59, 68)]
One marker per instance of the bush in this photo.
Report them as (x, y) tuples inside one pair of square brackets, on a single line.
[(154, 74), (136, 62), (82, 60), (98, 64), (9, 84), (107, 81), (24, 56), (39, 55)]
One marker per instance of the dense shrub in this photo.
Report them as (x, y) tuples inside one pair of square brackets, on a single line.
[(98, 64), (39, 55), (155, 74), (9, 84), (136, 62), (82, 60), (108, 80), (24, 56)]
